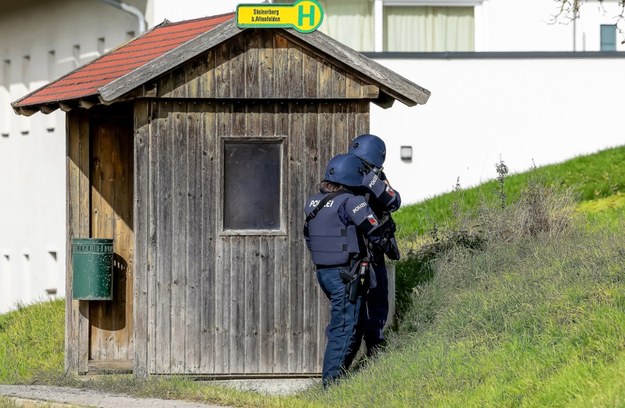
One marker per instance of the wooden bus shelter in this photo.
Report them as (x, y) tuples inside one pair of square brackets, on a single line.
[(193, 146)]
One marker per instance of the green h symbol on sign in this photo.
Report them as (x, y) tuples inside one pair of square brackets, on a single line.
[(301, 15)]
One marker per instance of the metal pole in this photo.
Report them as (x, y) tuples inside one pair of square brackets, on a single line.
[(131, 10)]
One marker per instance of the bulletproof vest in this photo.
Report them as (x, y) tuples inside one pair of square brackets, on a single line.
[(330, 241)]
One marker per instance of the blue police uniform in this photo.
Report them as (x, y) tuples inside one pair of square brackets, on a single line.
[(335, 240), (383, 200)]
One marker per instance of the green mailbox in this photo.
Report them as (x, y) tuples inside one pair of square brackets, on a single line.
[(92, 265)]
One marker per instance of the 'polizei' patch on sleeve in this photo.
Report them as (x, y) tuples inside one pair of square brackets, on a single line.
[(359, 207)]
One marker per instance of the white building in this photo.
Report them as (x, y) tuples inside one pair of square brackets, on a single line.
[(507, 83), (40, 41)]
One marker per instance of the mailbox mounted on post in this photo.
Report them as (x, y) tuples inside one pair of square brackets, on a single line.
[(92, 265)]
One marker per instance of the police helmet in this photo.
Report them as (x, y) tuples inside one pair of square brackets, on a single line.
[(345, 169), (370, 149)]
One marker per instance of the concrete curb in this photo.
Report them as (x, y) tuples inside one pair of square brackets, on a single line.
[(43, 396), (64, 397), (29, 403)]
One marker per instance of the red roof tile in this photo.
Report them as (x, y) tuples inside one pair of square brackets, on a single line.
[(86, 80)]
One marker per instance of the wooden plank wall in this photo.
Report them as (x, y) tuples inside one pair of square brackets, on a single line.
[(214, 303), (112, 179), (262, 64), (99, 204), (78, 226)]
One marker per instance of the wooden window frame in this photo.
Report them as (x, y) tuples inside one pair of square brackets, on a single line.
[(282, 231)]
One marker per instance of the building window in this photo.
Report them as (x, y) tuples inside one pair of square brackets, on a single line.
[(400, 25), (52, 279), (341, 17), (101, 45), (5, 99), (51, 65), (348, 21), (6, 286), (76, 55), (608, 37), (427, 29), (252, 181)]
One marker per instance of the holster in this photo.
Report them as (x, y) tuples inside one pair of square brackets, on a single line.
[(352, 281), (346, 275)]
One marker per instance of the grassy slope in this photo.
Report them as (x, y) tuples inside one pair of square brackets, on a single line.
[(593, 176), (31, 341), (537, 322)]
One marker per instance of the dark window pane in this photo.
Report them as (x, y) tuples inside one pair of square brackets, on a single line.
[(252, 185), (608, 38)]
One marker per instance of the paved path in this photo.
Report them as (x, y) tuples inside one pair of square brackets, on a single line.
[(89, 398)]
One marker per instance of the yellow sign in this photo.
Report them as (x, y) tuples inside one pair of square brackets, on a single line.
[(304, 16)]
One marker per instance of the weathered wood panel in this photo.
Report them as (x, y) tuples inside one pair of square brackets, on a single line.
[(85, 231), (223, 127), (78, 213), (164, 237), (251, 63), (209, 323), (297, 158), (266, 63), (392, 84), (280, 77), (262, 64), (112, 179), (251, 302), (150, 209), (295, 72), (311, 296), (142, 115), (395, 85), (193, 328), (179, 234), (282, 272)]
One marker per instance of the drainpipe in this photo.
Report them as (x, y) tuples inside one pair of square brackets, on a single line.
[(575, 33), (129, 9)]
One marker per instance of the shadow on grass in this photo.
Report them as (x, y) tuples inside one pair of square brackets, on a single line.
[(417, 268)]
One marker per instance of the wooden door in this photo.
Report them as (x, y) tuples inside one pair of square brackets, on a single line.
[(110, 322)]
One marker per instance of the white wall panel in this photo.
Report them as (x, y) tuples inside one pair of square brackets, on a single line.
[(523, 111)]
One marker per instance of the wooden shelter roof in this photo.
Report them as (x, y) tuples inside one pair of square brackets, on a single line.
[(168, 45)]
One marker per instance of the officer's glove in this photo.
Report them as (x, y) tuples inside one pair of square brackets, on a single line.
[(383, 238), (392, 250)]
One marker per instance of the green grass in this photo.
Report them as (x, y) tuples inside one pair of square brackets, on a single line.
[(31, 341), (7, 403), (532, 320), (603, 213), (539, 322), (592, 177)]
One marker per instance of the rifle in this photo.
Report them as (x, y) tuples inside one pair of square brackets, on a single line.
[(387, 241)]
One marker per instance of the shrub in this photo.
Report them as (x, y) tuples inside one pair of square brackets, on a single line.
[(540, 210)]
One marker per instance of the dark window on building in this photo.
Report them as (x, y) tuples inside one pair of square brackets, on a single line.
[(608, 38), (252, 179)]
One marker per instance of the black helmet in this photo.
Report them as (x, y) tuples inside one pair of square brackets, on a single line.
[(345, 169), (369, 148)]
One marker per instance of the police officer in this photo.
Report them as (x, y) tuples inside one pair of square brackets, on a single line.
[(383, 200), (337, 225)]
